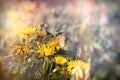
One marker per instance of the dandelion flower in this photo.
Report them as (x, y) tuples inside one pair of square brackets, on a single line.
[(55, 44), (22, 50), (60, 60), (45, 50), (29, 31), (78, 68), (77, 72), (41, 33)]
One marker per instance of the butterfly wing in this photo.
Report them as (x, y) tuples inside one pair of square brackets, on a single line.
[(61, 41)]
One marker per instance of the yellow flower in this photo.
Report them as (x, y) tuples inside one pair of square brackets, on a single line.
[(82, 65), (41, 33), (77, 73), (55, 44), (79, 69), (60, 60), (58, 43), (22, 50), (45, 50), (29, 30)]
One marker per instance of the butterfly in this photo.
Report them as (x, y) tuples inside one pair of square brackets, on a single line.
[(61, 41)]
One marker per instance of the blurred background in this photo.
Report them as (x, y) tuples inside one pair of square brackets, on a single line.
[(91, 27)]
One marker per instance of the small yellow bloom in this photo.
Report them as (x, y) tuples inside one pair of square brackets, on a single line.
[(22, 50), (42, 33), (55, 44), (78, 69), (79, 63), (77, 73), (58, 43), (60, 60), (45, 50), (29, 30)]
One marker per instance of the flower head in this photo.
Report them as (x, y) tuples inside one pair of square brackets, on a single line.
[(55, 44), (29, 30), (77, 73), (78, 68), (60, 60), (45, 50), (41, 33), (22, 50)]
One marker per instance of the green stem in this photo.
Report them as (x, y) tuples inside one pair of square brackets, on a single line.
[(43, 67), (51, 66), (27, 44), (50, 70)]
